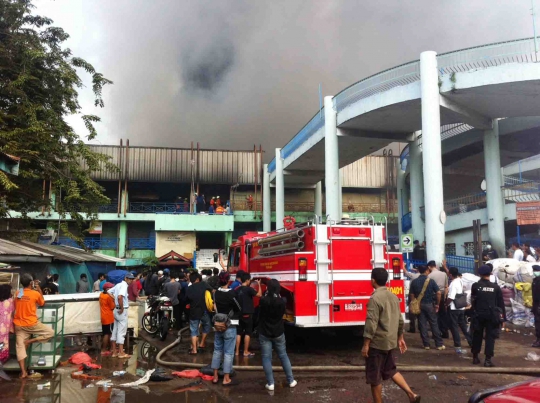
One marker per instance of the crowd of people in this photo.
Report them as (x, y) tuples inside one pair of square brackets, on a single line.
[(444, 307), (525, 253), (199, 204)]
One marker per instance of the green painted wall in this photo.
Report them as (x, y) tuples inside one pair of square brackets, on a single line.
[(108, 252), (140, 253), (170, 222)]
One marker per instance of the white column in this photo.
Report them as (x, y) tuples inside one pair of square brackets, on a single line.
[(267, 207), (331, 160), (401, 206), (340, 195), (417, 191), (280, 190), (431, 155), (494, 195), (318, 199)]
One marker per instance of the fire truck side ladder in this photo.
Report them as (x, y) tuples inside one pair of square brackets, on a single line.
[(323, 266), (378, 246)]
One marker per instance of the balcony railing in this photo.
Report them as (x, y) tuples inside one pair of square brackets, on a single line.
[(162, 208), (91, 243), (142, 243), (108, 208), (244, 205)]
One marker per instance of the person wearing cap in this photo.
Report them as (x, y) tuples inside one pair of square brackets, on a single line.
[(218, 201), (120, 294), (536, 303), (165, 278), (106, 306), (487, 315)]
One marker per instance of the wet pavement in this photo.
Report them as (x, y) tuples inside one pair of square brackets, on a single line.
[(306, 347)]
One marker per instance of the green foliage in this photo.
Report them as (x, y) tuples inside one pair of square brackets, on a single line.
[(150, 261), (38, 90)]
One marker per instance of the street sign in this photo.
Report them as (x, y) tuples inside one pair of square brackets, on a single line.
[(407, 241)]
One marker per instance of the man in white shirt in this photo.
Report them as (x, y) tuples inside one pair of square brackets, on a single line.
[(120, 294), (457, 315), (518, 253)]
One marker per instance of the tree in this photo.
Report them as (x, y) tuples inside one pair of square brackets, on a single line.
[(38, 90)]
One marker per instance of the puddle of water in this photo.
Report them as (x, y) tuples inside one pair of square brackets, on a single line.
[(61, 388)]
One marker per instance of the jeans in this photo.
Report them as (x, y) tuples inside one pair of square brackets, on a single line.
[(443, 320), (457, 318), (279, 344), (224, 343), (204, 321), (427, 314)]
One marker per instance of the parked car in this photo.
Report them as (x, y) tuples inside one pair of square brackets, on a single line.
[(522, 392)]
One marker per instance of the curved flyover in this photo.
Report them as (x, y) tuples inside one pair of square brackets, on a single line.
[(500, 80)]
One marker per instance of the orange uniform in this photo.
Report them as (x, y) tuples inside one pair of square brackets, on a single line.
[(106, 305), (26, 308)]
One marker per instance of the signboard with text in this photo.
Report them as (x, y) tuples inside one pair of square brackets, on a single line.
[(528, 213)]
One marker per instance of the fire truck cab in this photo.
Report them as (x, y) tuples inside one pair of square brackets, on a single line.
[(324, 269)]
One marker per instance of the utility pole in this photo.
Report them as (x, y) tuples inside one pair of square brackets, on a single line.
[(534, 31)]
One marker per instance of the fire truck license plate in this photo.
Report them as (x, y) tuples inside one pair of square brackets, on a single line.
[(353, 307)]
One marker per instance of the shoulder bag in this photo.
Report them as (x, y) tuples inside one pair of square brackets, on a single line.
[(414, 306), (221, 321), (460, 301)]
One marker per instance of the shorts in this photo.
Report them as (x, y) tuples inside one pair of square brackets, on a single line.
[(204, 321), (245, 325), (380, 366), (107, 329)]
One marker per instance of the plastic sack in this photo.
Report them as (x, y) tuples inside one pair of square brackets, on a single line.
[(468, 280), (520, 314), (526, 291), (532, 356), (508, 294), (80, 358), (524, 274), (192, 374), (116, 276)]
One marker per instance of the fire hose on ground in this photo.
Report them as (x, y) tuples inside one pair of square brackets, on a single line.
[(350, 368)]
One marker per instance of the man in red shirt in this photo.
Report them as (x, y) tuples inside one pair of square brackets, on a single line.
[(134, 288), (26, 322)]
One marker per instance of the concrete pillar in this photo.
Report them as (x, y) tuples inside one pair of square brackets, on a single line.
[(124, 203), (280, 190), (122, 238), (331, 160), (267, 206), (227, 239), (416, 191), (401, 205), (431, 156), (318, 200), (494, 195), (340, 195)]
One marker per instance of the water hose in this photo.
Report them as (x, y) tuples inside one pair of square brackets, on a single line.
[(350, 368)]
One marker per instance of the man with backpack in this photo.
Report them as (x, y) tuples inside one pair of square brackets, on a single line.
[(245, 324), (227, 311)]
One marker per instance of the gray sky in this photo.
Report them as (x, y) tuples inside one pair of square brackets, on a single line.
[(233, 73)]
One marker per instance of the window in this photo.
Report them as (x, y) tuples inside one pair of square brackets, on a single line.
[(237, 257), (450, 249), (469, 247)]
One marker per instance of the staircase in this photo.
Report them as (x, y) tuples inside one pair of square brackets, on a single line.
[(205, 259)]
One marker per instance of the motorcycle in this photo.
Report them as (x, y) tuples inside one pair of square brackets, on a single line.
[(160, 318)]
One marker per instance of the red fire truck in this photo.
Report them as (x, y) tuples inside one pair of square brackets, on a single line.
[(324, 269)]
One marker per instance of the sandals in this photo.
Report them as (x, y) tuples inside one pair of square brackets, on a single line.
[(114, 355), (231, 383), (124, 356), (105, 353), (249, 355), (191, 353)]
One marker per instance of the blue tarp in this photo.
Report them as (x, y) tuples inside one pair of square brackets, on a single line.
[(116, 276)]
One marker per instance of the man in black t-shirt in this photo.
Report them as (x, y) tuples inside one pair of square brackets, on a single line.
[(50, 288), (198, 314), (245, 326)]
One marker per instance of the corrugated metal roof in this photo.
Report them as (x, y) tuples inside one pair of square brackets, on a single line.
[(17, 252), (70, 254), (369, 172), (158, 164)]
